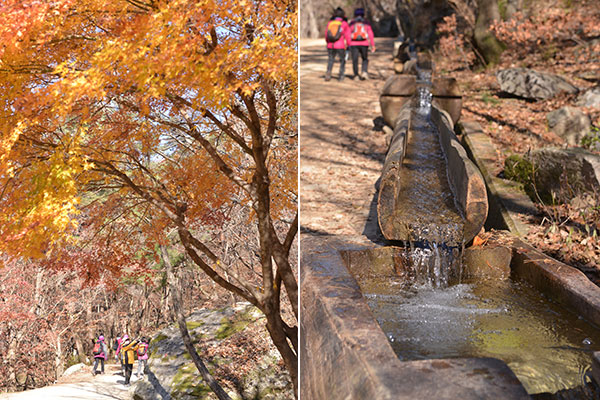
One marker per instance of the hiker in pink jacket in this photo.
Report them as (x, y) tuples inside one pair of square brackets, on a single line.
[(118, 352), (361, 35), (100, 352), (142, 355), (337, 36)]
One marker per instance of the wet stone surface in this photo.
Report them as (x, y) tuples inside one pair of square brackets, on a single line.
[(345, 355)]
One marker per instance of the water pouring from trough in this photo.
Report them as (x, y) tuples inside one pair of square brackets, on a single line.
[(431, 196)]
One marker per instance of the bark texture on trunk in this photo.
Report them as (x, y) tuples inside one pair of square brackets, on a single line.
[(309, 25), (487, 44)]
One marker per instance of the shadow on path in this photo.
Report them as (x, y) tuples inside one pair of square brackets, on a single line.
[(158, 388)]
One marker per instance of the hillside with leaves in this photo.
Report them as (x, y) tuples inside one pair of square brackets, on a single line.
[(558, 37)]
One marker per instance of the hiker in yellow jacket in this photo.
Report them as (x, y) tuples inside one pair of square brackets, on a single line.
[(128, 355)]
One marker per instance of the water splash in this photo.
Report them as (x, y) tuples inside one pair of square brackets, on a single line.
[(433, 264), (424, 97), (434, 220), (506, 319)]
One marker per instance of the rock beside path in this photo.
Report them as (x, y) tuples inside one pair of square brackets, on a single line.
[(532, 84), (590, 98), (74, 369), (570, 123), (565, 173)]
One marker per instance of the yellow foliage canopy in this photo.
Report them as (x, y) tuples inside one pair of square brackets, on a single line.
[(157, 101)]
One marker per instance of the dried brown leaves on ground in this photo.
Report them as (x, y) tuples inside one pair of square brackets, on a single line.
[(516, 126), (244, 350)]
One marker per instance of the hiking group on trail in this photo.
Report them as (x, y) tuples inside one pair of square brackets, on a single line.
[(355, 37), (126, 351)]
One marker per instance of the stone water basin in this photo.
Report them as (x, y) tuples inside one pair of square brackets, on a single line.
[(505, 331), (502, 315), (546, 346)]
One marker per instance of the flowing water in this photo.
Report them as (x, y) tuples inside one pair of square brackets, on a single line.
[(426, 201), (432, 263), (547, 347)]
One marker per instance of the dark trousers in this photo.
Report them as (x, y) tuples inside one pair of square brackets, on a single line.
[(128, 371), (101, 360), (364, 53), (341, 53)]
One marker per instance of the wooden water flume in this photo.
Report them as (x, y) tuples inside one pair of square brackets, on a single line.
[(400, 104)]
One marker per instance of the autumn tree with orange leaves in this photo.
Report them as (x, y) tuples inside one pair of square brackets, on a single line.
[(149, 121)]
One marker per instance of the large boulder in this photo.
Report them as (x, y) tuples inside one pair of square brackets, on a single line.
[(590, 98), (564, 173), (73, 369), (532, 84), (171, 373), (570, 123)]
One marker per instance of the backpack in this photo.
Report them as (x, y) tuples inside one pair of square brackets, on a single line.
[(141, 350), (97, 349), (334, 31), (359, 32), (116, 345)]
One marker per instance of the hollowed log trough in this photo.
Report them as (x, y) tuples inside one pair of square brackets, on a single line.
[(464, 178)]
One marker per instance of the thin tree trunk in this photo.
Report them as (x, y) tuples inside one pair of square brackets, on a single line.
[(58, 364), (487, 44), (185, 335), (276, 329), (310, 27), (164, 301), (79, 347)]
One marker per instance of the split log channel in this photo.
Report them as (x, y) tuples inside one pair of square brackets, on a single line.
[(396, 218)]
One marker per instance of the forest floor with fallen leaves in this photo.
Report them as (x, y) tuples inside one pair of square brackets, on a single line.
[(517, 126), (343, 146)]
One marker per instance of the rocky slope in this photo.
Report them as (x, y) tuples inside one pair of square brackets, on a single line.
[(236, 348)]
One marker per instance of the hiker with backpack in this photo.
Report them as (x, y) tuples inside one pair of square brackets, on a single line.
[(142, 355), (337, 36), (100, 352), (117, 347), (361, 36), (128, 356)]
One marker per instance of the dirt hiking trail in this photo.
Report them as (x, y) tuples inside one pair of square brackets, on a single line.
[(82, 386), (342, 145)]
